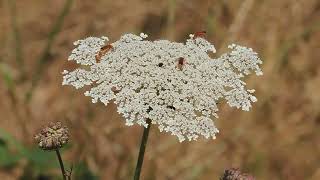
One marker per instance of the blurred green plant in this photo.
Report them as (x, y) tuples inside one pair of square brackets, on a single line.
[(8, 79), (38, 163), (82, 172), (17, 38), (43, 59), (12, 152), (171, 18), (289, 45)]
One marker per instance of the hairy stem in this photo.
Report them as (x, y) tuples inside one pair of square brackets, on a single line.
[(143, 144), (61, 164)]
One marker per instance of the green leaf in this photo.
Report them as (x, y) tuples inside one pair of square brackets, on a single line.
[(7, 159), (41, 160)]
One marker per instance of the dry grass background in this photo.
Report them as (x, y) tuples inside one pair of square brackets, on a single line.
[(278, 139)]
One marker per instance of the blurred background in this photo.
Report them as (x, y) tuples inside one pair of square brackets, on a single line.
[(278, 139)]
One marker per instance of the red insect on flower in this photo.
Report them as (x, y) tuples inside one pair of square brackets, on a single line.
[(200, 34), (103, 51)]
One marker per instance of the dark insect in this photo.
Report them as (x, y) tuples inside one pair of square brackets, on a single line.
[(149, 109), (171, 107), (181, 62), (103, 51), (115, 90)]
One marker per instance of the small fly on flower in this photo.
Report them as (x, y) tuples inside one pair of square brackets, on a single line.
[(200, 34), (103, 51), (181, 62)]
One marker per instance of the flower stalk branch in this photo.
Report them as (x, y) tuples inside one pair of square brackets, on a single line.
[(52, 138), (61, 164), (143, 145)]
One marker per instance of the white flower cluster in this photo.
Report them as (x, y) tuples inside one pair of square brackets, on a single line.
[(176, 85)]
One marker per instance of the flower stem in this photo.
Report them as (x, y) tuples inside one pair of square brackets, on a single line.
[(61, 164), (142, 150)]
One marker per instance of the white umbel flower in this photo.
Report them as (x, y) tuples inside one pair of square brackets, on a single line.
[(175, 85)]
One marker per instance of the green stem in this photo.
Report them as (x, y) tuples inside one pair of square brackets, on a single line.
[(17, 38), (143, 144), (61, 164), (171, 18), (44, 58)]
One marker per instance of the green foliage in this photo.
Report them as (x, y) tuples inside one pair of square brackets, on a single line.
[(6, 75), (7, 159), (82, 172), (39, 162), (44, 58), (13, 151)]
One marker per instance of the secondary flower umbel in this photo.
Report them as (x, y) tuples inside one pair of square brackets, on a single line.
[(53, 136), (175, 85)]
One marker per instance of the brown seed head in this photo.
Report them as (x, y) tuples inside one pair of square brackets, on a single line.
[(235, 174), (52, 137)]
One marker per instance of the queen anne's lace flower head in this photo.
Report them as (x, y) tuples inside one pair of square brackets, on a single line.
[(175, 85)]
